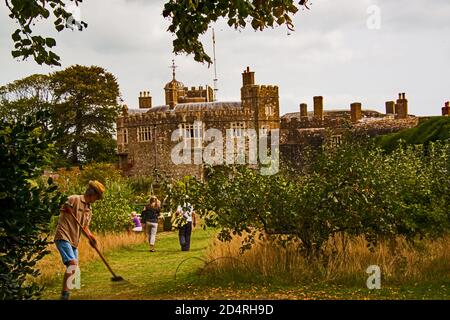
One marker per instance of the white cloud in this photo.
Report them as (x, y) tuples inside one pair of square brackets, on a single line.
[(331, 53)]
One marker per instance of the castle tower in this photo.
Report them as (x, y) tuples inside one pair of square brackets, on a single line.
[(318, 107), (401, 107), (262, 101), (173, 89), (355, 109), (145, 100)]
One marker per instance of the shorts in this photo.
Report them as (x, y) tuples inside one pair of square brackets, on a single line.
[(67, 251)]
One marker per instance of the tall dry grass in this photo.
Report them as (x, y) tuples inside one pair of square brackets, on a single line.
[(51, 265), (344, 261)]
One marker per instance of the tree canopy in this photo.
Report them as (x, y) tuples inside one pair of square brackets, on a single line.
[(82, 104), (189, 19)]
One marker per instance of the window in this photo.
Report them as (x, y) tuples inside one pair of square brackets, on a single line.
[(336, 140), (125, 136), (194, 132), (122, 136), (264, 131), (144, 134), (269, 110), (238, 129)]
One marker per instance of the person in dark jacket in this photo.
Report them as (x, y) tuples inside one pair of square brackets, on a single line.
[(149, 217)]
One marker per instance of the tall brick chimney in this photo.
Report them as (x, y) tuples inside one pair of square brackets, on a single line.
[(446, 109), (248, 77), (401, 108), (318, 107), (355, 109), (145, 100), (390, 107), (303, 111)]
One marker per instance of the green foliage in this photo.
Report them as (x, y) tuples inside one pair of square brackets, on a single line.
[(433, 129), (102, 172), (355, 190), (87, 107), (112, 213), (26, 97), (27, 206), (141, 185), (190, 19), (26, 13), (82, 103)]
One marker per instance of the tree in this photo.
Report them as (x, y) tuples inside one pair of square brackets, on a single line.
[(82, 104), (189, 19), (354, 190), (86, 107), (26, 13), (26, 97), (27, 204)]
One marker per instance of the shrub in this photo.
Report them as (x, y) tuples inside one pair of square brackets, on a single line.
[(27, 206), (112, 213)]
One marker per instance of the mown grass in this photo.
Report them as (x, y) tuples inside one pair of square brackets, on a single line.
[(147, 274), (199, 276)]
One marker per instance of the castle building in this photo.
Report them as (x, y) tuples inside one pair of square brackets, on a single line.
[(147, 137), (301, 132)]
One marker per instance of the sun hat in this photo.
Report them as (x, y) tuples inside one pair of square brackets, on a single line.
[(98, 187)]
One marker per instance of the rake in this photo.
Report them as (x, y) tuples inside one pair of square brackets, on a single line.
[(115, 277)]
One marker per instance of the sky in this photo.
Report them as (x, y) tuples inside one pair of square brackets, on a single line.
[(348, 51)]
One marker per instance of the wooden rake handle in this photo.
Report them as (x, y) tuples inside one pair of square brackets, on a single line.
[(92, 245)]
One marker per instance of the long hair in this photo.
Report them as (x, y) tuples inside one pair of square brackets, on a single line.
[(154, 202)]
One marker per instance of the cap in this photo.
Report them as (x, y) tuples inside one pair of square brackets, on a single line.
[(98, 187)]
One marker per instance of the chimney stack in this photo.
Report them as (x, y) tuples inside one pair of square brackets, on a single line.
[(318, 107), (303, 111), (401, 107), (248, 77), (145, 100), (390, 107), (446, 109), (355, 109)]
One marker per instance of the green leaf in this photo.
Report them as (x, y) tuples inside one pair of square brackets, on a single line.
[(50, 42)]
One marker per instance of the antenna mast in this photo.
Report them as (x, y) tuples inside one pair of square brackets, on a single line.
[(215, 68)]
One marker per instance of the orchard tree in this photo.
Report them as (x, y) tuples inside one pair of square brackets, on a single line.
[(189, 20)]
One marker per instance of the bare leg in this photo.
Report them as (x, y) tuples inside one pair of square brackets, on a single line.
[(70, 270)]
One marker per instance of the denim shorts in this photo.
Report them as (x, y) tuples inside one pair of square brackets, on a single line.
[(67, 251)]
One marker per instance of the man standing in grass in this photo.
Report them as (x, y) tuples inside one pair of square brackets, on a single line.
[(68, 231), (186, 211)]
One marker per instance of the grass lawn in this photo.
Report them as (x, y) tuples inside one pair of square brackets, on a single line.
[(170, 273)]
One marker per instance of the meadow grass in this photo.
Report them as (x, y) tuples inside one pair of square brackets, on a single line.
[(401, 263), (216, 270)]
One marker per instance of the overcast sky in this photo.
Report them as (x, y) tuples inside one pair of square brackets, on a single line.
[(332, 52)]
